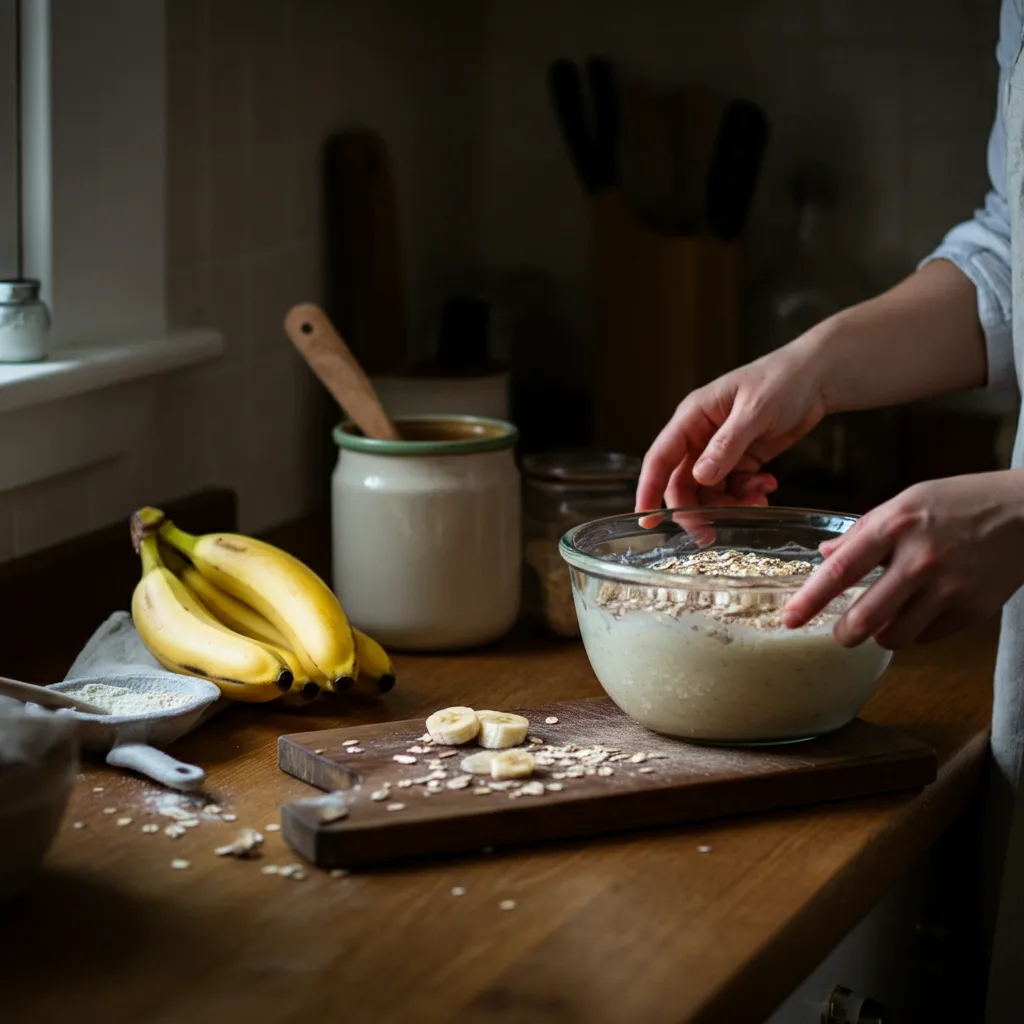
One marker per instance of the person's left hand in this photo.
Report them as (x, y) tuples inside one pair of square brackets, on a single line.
[(953, 551)]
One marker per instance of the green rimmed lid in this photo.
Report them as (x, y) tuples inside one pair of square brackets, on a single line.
[(433, 435)]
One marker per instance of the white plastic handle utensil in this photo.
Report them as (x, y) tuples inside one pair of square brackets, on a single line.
[(140, 757)]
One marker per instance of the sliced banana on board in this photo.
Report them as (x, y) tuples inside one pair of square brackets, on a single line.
[(505, 764), (452, 727), (501, 729)]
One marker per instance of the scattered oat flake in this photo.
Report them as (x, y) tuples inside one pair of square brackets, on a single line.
[(269, 869), (404, 759), (180, 865), (174, 831), (482, 790), (189, 823), (551, 720), (448, 753), (229, 817), (272, 827), (124, 821), (319, 750), (458, 890), (97, 789), (638, 758), (396, 807), (703, 849), (150, 829), (554, 787), (459, 782), (404, 783), (646, 771), (212, 809), (110, 810), (291, 871), (533, 789), (339, 873), (246, 844), (656, 757), (350, 743), (79, 824), (507, 905), (381, 794), (417, 749), (536, 741), (426, 738)]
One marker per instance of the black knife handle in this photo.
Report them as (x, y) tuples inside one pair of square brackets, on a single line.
[(570, 111), (739, 150), (607, 119)]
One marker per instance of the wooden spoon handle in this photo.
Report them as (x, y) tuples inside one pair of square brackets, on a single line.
[(46, 698), (332, 361)]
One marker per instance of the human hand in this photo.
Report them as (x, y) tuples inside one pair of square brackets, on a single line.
[(712, 450), (953, 551)]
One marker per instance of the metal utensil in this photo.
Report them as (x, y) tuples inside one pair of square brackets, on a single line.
[(30, 693)]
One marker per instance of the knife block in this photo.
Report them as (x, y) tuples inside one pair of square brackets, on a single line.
[(665, 321)]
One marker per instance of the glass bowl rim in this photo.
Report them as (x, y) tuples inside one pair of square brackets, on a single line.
[(592, 565)]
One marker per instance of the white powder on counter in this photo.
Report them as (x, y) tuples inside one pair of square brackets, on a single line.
[(118, 700)]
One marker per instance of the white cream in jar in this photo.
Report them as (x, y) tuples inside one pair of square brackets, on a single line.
[(426, 532)]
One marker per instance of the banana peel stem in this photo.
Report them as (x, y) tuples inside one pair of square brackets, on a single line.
[(177, 538), (143, 522), (150, 553)]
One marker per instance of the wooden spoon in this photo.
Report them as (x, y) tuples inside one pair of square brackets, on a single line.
[(332, 361), (29, 693)]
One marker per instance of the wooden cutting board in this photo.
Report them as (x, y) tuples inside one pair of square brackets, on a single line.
[(683, 782)]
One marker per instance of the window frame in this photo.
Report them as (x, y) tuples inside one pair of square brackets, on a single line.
[(10, 133)]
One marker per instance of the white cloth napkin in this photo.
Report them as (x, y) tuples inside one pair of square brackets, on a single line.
[(116, 651)]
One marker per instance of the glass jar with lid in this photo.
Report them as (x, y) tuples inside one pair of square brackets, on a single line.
[(562, 490), (24, 322)]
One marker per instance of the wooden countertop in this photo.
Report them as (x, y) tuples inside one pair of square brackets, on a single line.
[(638, 928)]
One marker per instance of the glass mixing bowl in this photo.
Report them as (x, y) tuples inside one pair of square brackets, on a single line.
[(705, 657)]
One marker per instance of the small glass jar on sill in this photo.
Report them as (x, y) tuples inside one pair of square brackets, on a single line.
[(562, 490), (24, 322)]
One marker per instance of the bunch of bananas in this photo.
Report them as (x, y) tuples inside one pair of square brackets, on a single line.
[(247, 616)]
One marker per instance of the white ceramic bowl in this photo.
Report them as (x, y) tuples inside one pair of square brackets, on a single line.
[(38, 764)]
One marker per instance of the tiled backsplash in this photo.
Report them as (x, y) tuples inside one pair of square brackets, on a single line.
[(898, 96)]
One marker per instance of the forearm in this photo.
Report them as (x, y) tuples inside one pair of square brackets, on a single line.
[(920, 339)]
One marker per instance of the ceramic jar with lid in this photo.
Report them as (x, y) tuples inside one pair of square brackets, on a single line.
[(427, 546), (562, 490), (24, 322)]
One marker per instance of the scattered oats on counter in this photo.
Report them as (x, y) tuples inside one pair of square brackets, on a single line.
[(507, 905), (404, 759), (273, 827), (396, 807), (179, 864), (551, 720), (79, 824), (229, 817), (458, 890), (246, 844), (350, 743), (122, 822), (97, 789), (110, 810), (703, 849), (339, 873), (174, 831), (150, 829), (212, 809), (269, 869)]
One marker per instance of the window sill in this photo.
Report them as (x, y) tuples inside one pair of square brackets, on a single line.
[(81, 368)]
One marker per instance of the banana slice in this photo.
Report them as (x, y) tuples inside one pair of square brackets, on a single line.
[(505, 764), (500, 729), (512, 764), (453, 726), (478, 764)]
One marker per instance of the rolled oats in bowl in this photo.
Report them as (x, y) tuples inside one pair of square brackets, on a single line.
[(680, 613)]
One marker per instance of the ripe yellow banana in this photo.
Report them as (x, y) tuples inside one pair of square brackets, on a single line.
[(294, 599), (231, 612), (184, 638), (374, 665)]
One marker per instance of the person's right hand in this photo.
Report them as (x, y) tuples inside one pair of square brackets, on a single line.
[(712, 450)]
